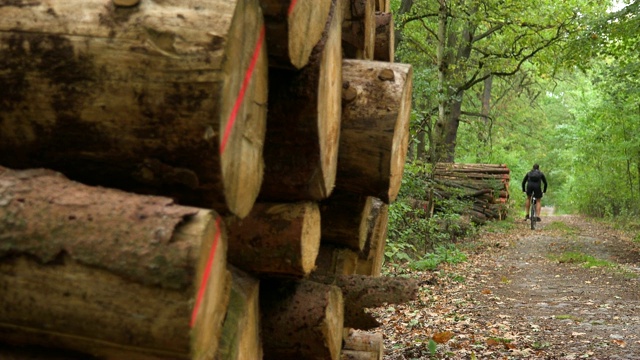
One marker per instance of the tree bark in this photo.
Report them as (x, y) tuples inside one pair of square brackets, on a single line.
[(303, 129), (345, 219), (383, 5), (360, 345), (301, 320), (359, 29), (375, 127), (108, 273), (160, 98), (294, 28), (371, 257), (31, 352), (336, 260), (385, 37), (361, 291), (276, 239), (241, 330)]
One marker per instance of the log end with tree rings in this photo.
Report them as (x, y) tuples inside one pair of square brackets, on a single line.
[(401, 131), (305, 33), (243, 116), (330, 106)]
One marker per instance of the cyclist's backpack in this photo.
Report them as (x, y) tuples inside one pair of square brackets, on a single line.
[(535, 175)]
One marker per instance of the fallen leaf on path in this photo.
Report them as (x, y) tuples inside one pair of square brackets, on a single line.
[(442, 337), (620, 343)]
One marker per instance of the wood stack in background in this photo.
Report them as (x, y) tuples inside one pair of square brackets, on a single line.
[(486, 185), (217, 169)]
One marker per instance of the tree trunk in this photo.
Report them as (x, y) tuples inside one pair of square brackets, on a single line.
[(276, 239), (301, 320), (160, 98), (359, 29), (241, 330), (303, 129), (294, 28), (108, 273), (385, 37), (460, 46), (375, 128)]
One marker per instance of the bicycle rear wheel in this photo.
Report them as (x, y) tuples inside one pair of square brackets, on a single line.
[(533, 215)]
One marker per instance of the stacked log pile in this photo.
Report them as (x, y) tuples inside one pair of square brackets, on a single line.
[(198, 180), (486, 185)]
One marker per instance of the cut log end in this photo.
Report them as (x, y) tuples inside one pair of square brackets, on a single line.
[(306, 22), (243, 118), (401, 134), (330, 96), (210, 301)]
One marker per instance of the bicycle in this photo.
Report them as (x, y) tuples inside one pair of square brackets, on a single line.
[(533, 216)]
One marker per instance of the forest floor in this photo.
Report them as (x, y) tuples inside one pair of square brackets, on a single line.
[(567, 290)]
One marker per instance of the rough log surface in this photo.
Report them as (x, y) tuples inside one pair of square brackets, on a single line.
[(161, 98), (361, 291), (346, 219), (106, 272), (371, 257), (301, 320), (375, 127), (276, 239), (385, 37), (358, 29), (336, 260)]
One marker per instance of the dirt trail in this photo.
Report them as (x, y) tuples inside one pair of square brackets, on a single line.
[(516, 302)]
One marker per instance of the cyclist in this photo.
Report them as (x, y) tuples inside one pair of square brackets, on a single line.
[(532, 181)]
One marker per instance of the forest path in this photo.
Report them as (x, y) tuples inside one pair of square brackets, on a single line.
[(527, 294)]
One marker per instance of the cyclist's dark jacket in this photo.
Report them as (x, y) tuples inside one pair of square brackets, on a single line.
[(532, 181)]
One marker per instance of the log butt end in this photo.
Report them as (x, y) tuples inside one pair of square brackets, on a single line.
[(213, 283), (329, 108), (303, 33), (401, 132), (242, 124)]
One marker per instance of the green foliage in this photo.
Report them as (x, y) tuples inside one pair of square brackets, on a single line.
[(433, 347), (561, 226), (442, 254), (587, 261), (499, 227), (412, 233)]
